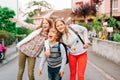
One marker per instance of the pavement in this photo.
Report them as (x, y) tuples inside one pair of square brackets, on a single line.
[(10, 54)]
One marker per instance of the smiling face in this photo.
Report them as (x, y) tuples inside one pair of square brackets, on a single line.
[(60, 26), (45, 25), (53, 35)]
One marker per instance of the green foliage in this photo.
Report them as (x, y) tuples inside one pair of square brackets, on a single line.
[(118, 24), (117, 37), (8, 37), (31, 14), (88, 26), (5, 24), (38, 7), (28, 20), (19, 37), (3, 35), (97, 24), (22, 30), (112, 22)]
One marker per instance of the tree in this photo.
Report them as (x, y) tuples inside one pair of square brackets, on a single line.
[(5, 24), (40, 5), (98, 2), (85, 10)]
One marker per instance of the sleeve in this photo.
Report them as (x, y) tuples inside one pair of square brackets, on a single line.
[(63, 55), (42, 61), (27, 25), (47, 47), (82, 30)]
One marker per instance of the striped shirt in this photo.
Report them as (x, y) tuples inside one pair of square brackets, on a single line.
[(56, 58)]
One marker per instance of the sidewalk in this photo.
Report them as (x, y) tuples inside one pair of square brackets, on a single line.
[(10, 54)]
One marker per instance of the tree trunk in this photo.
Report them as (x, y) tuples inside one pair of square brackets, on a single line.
[(111, 8), (85, 18)]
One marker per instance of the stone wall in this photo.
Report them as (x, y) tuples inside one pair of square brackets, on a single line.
[(108, 49)]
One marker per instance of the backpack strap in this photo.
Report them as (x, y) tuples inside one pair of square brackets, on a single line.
[(59, 47), (65, 47), (77, 35)]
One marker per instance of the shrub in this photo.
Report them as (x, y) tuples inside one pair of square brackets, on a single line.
[(22, 30), (117, 37), (8, 37)]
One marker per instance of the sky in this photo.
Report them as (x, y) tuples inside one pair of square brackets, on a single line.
[(57, 4)]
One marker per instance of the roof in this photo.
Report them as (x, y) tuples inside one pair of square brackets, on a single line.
[(63, 14)]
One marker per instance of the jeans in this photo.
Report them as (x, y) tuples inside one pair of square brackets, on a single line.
[(53, 73), (21, 65)]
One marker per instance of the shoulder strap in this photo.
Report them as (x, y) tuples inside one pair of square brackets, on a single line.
[(59, 46), (64, 45), (77, 35), (65, 50)]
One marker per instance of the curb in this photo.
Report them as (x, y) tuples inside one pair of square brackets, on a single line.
[(8, 59), (12, 57)]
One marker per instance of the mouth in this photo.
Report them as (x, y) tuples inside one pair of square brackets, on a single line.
[(45, 27), (61, 30), (50, 37)]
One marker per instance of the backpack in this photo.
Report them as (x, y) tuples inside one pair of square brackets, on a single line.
[(66, 50)]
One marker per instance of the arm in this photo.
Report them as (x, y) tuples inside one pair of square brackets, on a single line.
[(47, 52), (24, 24), (63, 55), (82, 30), (42, 62)]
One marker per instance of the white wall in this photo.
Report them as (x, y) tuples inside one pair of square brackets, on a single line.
[(108, 49)]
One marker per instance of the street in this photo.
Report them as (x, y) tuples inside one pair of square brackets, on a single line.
[(98, 68)]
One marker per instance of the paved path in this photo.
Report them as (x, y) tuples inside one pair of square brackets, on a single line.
[(10, 54)]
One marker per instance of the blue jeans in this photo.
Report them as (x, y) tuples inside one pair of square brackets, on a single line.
[(53, 73)]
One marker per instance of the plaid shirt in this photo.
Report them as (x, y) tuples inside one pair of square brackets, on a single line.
[(33, 47)]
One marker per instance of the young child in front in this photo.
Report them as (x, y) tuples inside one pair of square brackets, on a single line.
[(56, 60)]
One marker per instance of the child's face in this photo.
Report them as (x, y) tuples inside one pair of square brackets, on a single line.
[(52, 35), (60, 26), (45, 25)]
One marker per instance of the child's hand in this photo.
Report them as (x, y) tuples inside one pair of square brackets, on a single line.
[(61, 73), (47, 53), (39, 72), (85, 46), (13, 19)]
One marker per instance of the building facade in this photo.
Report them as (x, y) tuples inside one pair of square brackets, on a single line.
[(102, 8)]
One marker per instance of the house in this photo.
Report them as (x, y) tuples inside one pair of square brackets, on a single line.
[(54, 14), (103, 7)]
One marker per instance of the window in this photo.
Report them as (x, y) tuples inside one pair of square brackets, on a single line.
[(115, 5)]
